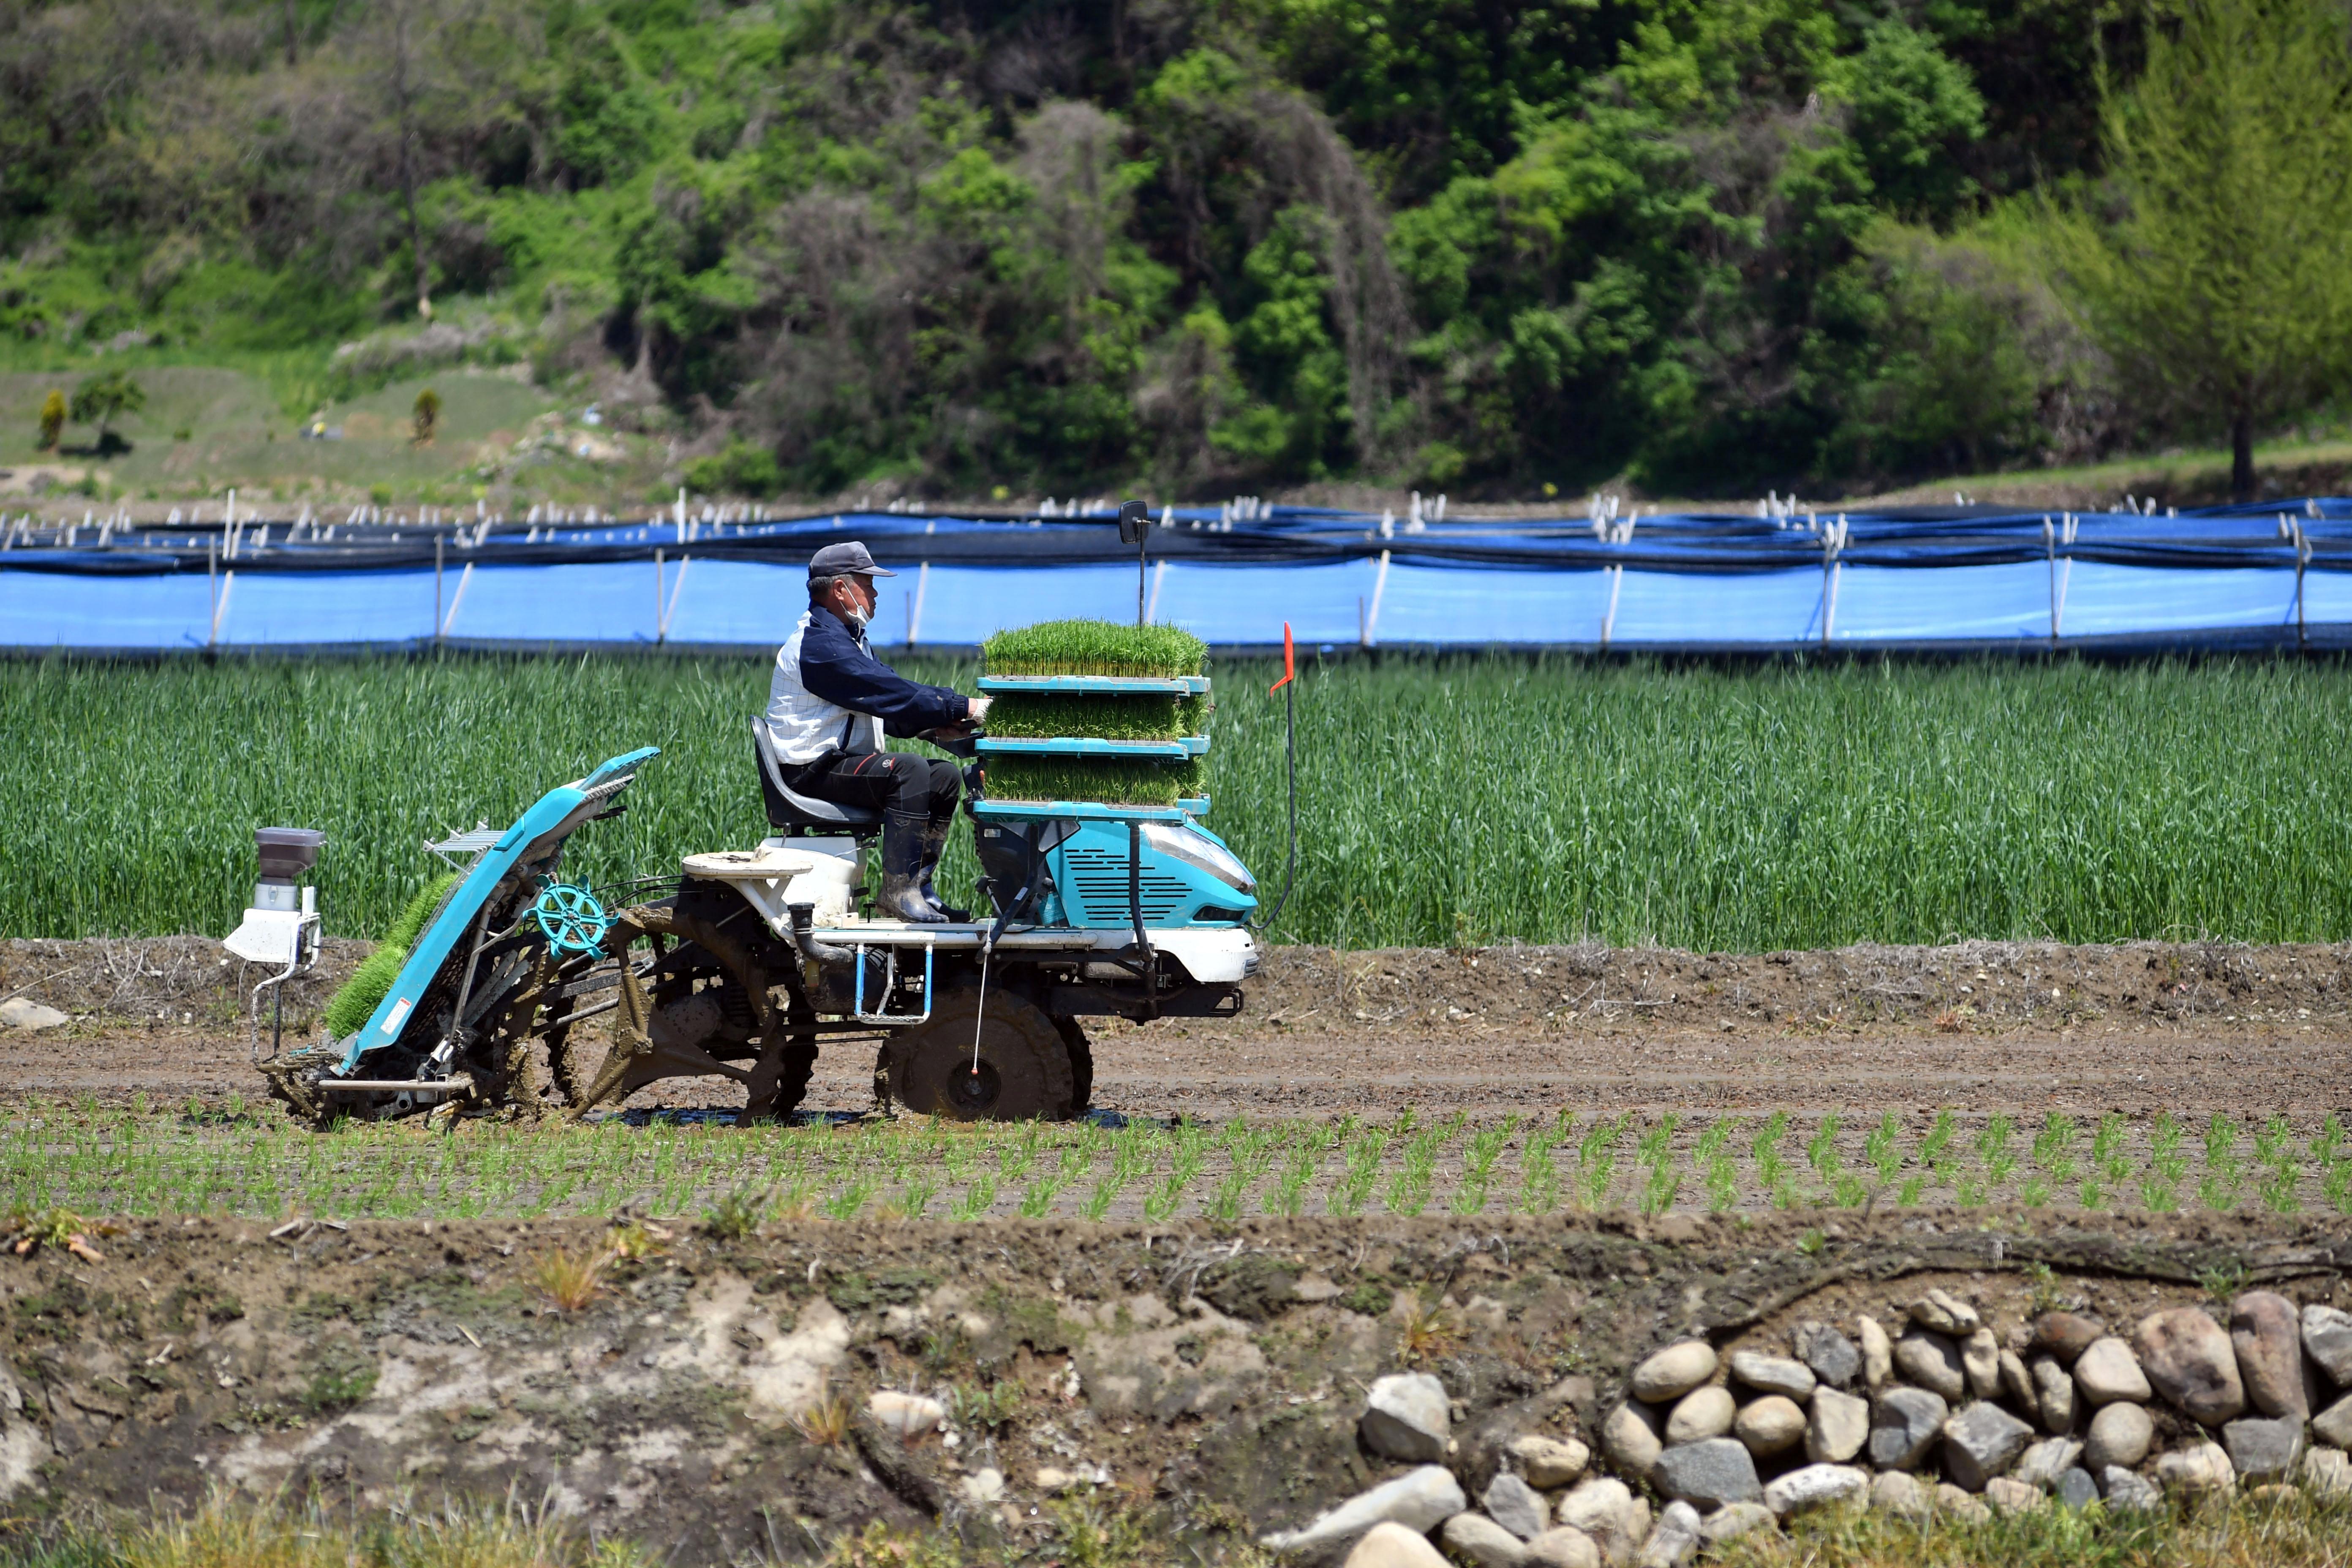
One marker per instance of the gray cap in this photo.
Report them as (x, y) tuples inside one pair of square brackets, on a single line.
[(845, 560)]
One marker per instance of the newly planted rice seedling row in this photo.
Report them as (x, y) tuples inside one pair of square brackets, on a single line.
[(81, 1159), (1441, 802)]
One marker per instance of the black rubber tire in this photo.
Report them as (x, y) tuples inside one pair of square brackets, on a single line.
[(1025, 1067), (1082, 1064)]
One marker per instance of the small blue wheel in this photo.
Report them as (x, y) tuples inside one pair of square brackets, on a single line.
[(571, 918)]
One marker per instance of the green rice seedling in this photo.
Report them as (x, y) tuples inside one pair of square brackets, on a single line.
[(1013, 776), (1722, 1183), (1711, 1158), (1093, 647), (1880, 1149), (2274, 1143), (1993, 1147), (2034, 1190), (1163, 1200), (1105, 718), (1596, 1161), (2052, 1144), (2219, 1188), (1657, 1143), (1712, 1143), (1771, 1169), (1539, 1174), (738, 1214), (1821, 1149), (1303, 1159), (1363, 1169), (2336, 1185), (1660, 1188), (356, 1001), (1253, 1155), (2327, 1149), (2107, 1147), (977, 1200), (1478, 1167), (1409, 1190), (850, 1200), (914, 1196), (2328, 1143), (1016, 1153), (1102, 1194), (1655, 1152), (1848, 1190), (1068, 1167), (1936, 1149), (1190, 1153), (2282, 1185)]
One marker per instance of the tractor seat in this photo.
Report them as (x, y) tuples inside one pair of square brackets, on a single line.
[(790, 812)]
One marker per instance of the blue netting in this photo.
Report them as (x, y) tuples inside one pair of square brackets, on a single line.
[(1928, 577)]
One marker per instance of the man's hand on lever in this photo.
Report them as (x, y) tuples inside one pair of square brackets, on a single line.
[(964, 730)]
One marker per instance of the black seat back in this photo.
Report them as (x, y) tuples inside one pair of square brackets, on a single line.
[(789, 812)]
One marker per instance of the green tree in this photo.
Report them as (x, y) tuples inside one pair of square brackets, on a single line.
[(424, 416), (2223, 283), (53, 420), (100, 400)]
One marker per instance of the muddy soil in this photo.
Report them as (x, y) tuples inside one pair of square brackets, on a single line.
[(2189, 1027), (712, 1396)]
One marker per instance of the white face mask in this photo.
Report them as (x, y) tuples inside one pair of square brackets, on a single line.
[(856, 617)]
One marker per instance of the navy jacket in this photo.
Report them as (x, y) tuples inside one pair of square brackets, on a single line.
[(836, 668)]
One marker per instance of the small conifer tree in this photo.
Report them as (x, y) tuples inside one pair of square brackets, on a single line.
[(53, 420)]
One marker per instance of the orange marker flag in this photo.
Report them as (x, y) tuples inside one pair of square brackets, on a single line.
[(1289, 663)]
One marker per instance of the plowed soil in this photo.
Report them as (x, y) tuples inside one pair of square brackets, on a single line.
[(1212, 1374), (2189, 1027)]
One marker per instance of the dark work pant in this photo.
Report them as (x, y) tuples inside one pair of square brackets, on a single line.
[(882, 781)]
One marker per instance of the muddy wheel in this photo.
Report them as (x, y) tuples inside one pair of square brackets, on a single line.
[(1024, 1061), (1082, 1064)]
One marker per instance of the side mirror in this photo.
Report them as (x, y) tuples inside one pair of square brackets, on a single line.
[(1134, 521)]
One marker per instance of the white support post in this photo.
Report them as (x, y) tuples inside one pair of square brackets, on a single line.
[(676, 586), (457, 599)]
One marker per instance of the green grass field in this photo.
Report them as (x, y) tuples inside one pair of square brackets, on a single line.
[(1465, 800)]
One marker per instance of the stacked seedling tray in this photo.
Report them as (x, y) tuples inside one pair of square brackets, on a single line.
[(1092, 719)]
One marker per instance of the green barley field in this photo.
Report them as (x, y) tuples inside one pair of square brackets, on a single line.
[(232, 1158), (1441, 801)]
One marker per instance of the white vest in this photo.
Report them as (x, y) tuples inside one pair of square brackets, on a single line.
[(802, 726)]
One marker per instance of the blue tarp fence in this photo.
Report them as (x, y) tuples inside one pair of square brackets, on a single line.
[(1941, 578)]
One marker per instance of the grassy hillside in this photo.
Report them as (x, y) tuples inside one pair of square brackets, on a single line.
[(206, 429), (964, 246)]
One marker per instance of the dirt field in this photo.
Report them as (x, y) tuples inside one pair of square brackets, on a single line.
[(1213, 1374), (2024, 1028)]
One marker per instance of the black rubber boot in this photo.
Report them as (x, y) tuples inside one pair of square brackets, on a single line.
[(901, 898), (935, 844)]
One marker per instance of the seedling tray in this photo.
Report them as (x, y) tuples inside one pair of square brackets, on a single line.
[(1096, 685), (1090, 746), (1094, 810)]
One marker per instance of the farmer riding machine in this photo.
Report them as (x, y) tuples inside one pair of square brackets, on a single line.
[(516, 988)]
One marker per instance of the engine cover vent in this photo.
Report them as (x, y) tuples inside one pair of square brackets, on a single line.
[(1098, 882)]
